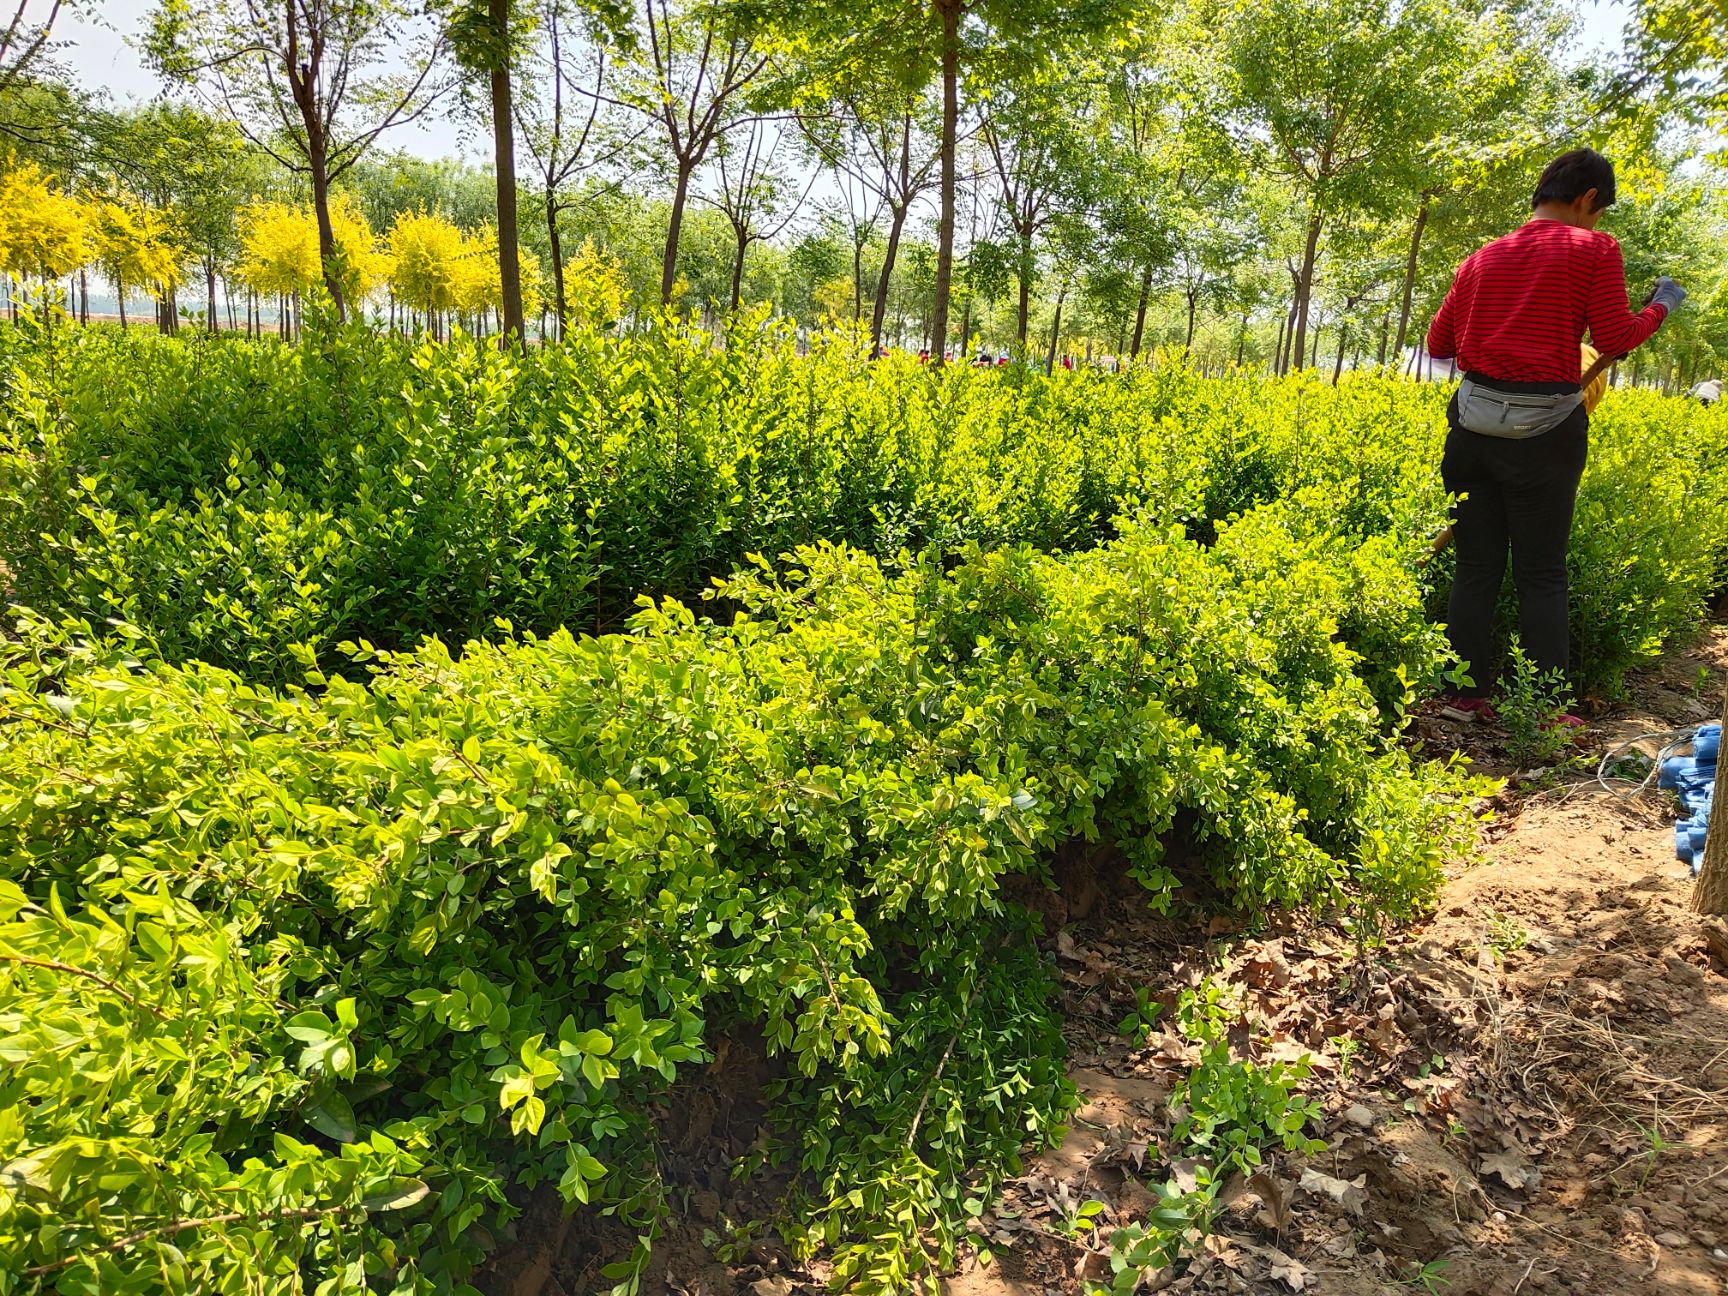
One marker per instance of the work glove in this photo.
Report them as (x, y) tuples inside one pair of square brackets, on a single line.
[(1668, 294)]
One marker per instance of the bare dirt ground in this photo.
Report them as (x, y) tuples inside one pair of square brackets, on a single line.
[(1537, 1095), (1526, 1094)]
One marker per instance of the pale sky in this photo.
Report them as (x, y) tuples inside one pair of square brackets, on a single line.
[(96, 49), (98, 54)]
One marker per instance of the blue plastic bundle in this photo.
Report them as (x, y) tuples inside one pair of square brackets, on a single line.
[(1691, 778)]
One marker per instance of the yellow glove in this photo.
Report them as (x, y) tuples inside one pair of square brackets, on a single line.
[(1592, 393)]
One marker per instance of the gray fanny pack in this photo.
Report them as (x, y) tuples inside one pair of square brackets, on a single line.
[(1514, 415)]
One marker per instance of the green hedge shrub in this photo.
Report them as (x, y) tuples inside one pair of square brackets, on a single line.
[(299, 980), (235, 498)]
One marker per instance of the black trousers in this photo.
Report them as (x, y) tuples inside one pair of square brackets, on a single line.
[(1520, 497)]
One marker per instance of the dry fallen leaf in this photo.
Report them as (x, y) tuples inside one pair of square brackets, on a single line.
[(1267, 968), (1342, 1245), (1510, 1165), (1351, 1194), (1288, 1270), (1185, 1174), (1092, 1264), (1222, 1249), (1276, 1216)]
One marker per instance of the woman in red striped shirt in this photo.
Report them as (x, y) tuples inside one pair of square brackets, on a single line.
[(1518, 438)]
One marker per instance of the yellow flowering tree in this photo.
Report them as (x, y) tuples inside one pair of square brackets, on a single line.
[(834, 298), (134, 249), (438, 270), (279, 255), (362, 264), (44, 231), (596, 288), (279, 249), (426, 264), (477, 282)]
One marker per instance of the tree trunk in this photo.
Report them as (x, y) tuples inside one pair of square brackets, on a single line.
[(511, 327), (674, 224), (1343, 342), (321, 207), (857, 278), (555, 245), (1055, 332), (1710, 895), (83, 295), (210, 294), (1193, 296), (1242, 339), (896, 224), (1023, 310), (1305, 281), (303, 78), (1410, 273), (950, 14), (1385, 334), (743, 241), (1314, 355), (120, 292), (965, 329), (1278, 349), (1140, 313)]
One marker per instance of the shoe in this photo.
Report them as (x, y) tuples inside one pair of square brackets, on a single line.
[(1470, 708)]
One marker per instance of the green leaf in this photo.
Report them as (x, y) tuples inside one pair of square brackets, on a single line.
[(333, 1116), (309, 1027), (155, 941), (395, 1194)]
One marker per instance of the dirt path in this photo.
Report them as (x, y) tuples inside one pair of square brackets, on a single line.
[(1532, 1095)]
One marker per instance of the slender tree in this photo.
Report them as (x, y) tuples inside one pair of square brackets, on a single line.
[(1030, 136), (692, 66), (199, 167), (938, 44), (314, 83), (1335, 95), (755, 194), (882, 138), (567, 125)]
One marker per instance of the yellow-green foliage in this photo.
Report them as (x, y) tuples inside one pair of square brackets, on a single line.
[(280, 254), (44, 231), (471, 917), (436, 268), (426, 254), (359, 943), (400, 490), (134, 244)]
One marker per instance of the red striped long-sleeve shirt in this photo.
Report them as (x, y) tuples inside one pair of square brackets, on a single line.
[(1519, 306)]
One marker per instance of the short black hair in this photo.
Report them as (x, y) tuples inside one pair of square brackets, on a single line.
[(1572, 175)]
